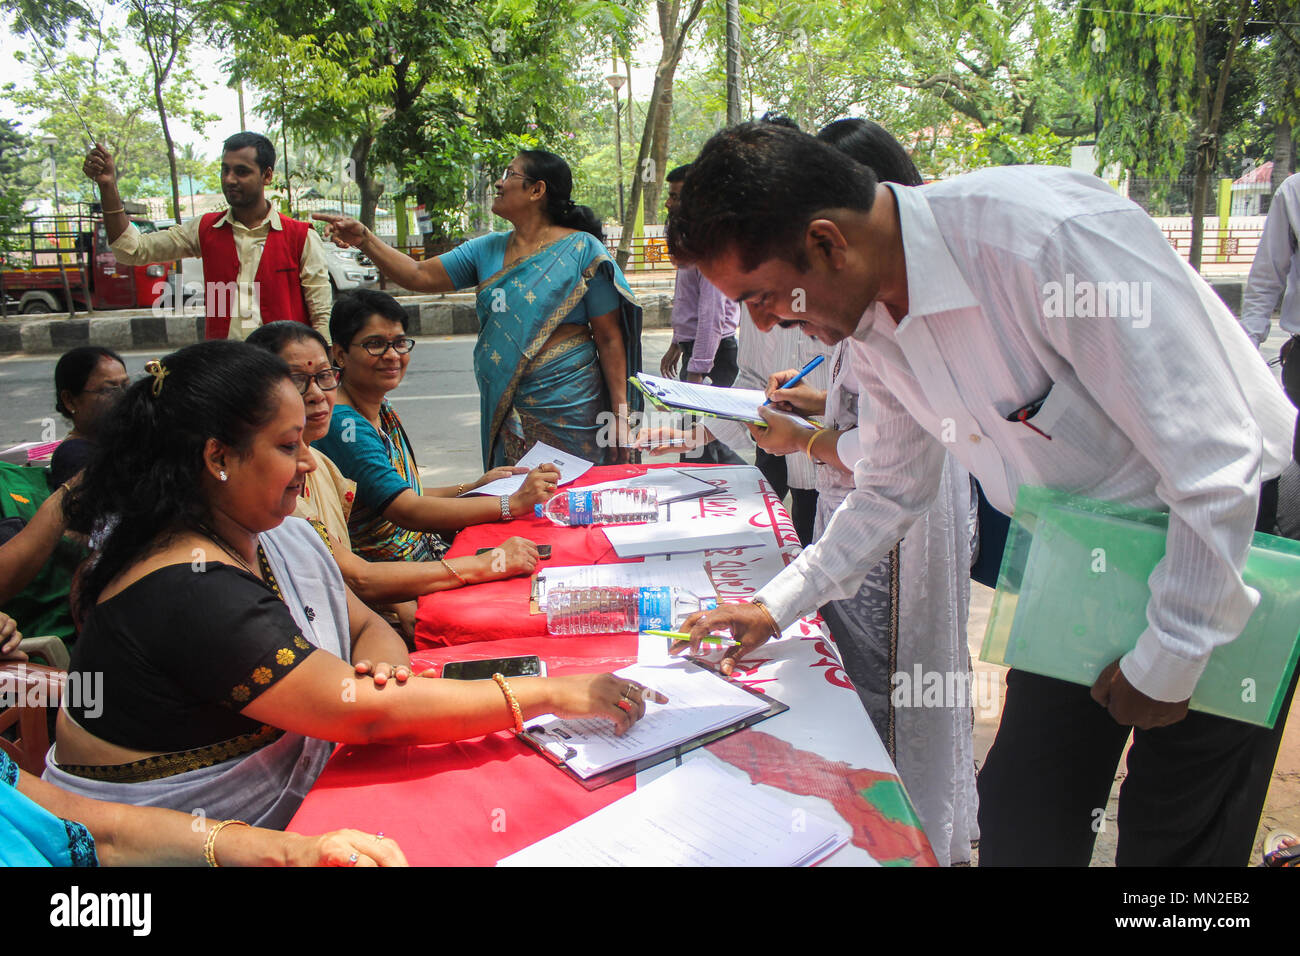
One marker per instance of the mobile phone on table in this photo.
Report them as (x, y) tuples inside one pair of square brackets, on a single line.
[(527, 665)]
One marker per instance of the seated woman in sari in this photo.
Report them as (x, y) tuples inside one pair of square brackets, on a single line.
[(393, 518), (327, 496), (559, 328), (224, 650)]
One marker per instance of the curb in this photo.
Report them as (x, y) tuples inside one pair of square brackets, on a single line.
[(452, 314)]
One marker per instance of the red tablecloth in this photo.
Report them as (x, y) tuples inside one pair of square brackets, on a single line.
[(471, 802), (474, 802), (496, 610)]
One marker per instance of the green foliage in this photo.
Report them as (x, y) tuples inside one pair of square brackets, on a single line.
[(1152, 66), (431, 83), (118, 104), (18, 175), (964, 84)]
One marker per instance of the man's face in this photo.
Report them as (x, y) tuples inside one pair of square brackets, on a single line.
[(778, 293), (243, 182), (674, 196)]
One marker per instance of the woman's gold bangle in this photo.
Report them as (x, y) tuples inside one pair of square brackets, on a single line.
[(209, 845), (515, 712), (452, 571)]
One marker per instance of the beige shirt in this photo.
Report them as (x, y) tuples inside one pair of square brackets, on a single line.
[(181, 242), (327, 497)]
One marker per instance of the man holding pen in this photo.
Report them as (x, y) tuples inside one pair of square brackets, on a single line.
[(951, 296), (256, 263)]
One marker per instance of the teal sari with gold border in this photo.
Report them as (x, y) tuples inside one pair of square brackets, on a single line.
[(556, 395)]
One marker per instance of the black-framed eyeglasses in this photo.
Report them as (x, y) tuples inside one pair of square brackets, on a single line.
[(505, 176), (327, 379), (378, 346), (106, 390)]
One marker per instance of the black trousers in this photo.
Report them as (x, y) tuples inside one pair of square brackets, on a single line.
[(1291, 383), (1192, 796), (723, 374)]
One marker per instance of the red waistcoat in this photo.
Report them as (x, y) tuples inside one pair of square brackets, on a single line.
[(277, 287)]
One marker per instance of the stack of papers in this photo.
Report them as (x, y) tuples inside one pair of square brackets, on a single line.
[(688, 576), (699, 702), (697, 815), (571, 469), (671, 484), (696, 533)]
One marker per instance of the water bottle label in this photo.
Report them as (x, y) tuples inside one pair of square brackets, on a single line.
[(580, 511), (656, 609)]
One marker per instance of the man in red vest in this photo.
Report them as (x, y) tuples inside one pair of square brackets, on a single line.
[(257, 264)]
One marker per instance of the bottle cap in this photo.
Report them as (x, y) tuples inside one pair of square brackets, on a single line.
[(537, 510)]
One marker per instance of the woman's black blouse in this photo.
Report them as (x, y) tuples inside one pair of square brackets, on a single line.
[(167, 663)]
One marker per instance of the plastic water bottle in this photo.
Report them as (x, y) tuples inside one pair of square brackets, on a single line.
[(606, 506), (616, 610)]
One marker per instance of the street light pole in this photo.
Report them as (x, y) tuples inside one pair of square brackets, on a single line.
[(51, 141), (616, 80)]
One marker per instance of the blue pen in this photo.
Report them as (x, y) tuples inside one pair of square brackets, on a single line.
[(802, 372)]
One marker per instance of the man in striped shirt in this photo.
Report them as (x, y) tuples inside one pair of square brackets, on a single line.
[(1038, 326)]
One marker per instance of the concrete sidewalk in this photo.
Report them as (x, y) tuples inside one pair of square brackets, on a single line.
[(1281, 808)]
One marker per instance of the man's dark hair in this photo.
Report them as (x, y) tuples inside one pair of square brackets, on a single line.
[(678, 173), (765, 183), (260, 144), (352, 310), (871, 145)]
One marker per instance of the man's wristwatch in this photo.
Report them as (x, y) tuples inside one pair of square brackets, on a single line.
[(505, 509)]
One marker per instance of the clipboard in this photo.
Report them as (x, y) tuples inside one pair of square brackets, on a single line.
[(660, 392), (554, 749)]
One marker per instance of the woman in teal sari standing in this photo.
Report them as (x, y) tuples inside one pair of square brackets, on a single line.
[(559, 327)]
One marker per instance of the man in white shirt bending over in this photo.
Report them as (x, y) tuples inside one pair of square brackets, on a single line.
[(1038, 326)]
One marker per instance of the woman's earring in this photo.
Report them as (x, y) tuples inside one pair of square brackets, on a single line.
[(221, 475)]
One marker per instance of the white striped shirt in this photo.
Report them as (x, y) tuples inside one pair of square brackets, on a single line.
[(1155, 398)]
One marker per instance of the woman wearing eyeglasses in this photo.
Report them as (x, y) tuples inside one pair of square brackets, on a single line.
[(327, 497), (393, 518), (559, 327), (86, 381)]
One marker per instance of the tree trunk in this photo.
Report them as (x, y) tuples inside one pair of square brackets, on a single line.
[(1207, 149), (1283, 155), (171, 149), (659, 153), (369, 187), (643, 172), (733, 62)]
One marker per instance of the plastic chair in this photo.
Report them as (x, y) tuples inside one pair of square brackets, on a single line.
[(28, 693)]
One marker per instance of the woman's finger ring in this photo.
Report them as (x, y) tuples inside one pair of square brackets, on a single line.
[(625, 705), (352, 860), (379, 835)]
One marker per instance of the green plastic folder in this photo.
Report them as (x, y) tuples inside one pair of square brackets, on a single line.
[(1072, 596)]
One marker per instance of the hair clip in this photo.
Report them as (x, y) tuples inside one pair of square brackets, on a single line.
[(156, 369)]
